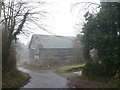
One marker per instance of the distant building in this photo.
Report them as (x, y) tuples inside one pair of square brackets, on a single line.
[(51, 50)]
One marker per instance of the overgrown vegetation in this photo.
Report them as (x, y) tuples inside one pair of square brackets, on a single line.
[(115, 81), (15, 14), (102, 31), (14, 79), (67, 68)]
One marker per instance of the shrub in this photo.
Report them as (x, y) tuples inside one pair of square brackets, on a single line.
[(10, 63), (92, 69), (115, 81)]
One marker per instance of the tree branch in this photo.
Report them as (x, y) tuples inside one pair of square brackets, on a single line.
[(21, 25)]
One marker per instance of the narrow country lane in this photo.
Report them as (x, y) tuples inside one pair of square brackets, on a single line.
[(44, 79)]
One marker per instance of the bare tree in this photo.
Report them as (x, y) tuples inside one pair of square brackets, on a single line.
[(82, 9), (16, 15)]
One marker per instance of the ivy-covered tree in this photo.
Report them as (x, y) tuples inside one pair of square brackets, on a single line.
[(17, 16), (102, 31)]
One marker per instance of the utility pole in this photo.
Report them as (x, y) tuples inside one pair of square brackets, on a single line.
[(0, 46), (1, 6)]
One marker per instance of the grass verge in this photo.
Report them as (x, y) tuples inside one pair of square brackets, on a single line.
[(14, 79), (66, 68)]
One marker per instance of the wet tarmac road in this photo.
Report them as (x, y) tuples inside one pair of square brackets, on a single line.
[(44, 79)]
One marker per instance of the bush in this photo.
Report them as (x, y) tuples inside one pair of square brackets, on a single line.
[(99, 69), (115, 81), (14, 79), (10, 63), (11, 77), (92, 69)]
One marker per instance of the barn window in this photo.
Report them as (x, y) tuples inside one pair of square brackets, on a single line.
[(36, 56)]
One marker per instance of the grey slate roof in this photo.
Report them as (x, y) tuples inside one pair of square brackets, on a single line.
[(53, 41)]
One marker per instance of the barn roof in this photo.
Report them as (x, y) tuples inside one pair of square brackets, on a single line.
[(53, 41)]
